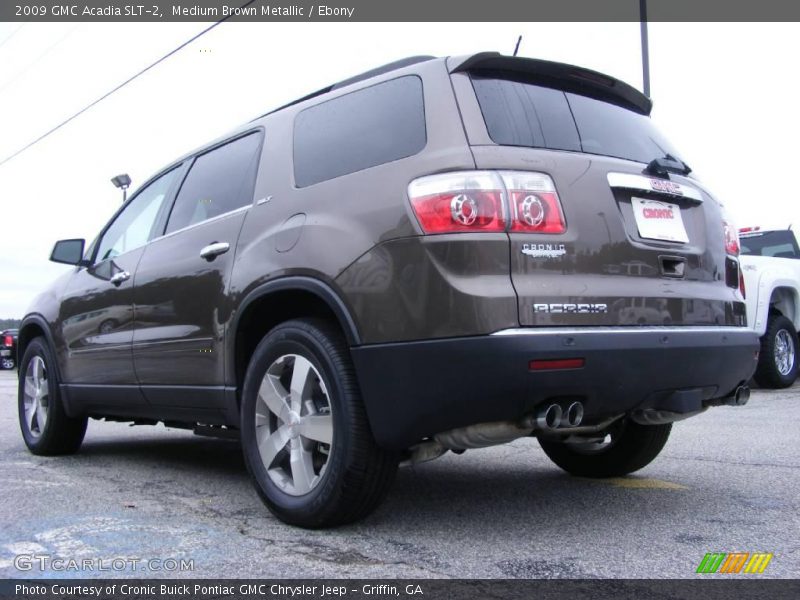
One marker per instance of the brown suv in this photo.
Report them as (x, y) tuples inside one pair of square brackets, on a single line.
[(440, 254)]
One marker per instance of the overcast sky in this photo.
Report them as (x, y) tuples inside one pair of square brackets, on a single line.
[(725, 94)]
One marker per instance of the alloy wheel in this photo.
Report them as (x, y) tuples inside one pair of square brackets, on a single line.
[(294, 424), (784, 352), (36, 396)]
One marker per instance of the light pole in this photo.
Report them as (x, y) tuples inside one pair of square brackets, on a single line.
[(122, 182), (645, 49)]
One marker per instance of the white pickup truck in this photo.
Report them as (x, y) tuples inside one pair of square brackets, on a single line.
[(770, 263)]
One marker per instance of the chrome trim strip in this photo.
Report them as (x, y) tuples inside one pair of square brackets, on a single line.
[(203, 222), (654, 185), (616, 329)]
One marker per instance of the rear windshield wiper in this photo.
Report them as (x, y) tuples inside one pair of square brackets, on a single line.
[(667, 164)]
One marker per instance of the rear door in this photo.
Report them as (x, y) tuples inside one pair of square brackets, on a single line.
[(594, 239), (181, 299)]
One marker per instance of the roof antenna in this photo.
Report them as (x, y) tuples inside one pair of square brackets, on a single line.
[(516, 48)]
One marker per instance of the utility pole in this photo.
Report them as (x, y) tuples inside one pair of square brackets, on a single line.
[(645, 50)]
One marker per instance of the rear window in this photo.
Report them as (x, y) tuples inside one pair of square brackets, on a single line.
[(519, 113), (370, 127), (219, 182), (781, 244)]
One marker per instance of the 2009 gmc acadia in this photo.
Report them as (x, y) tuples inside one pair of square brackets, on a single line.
[(439, 254)]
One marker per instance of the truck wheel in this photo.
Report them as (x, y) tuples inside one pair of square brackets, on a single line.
[(777, 360), (627, 447), (46, 427), (305, 435)]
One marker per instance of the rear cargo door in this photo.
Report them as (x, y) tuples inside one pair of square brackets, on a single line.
[(632, 248)]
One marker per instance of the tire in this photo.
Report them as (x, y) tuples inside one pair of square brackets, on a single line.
[(46, 427), (777, 360), (7, 363), (337, 474), (631, 447)]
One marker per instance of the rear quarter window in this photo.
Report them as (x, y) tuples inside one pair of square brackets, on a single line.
[(363, 129)]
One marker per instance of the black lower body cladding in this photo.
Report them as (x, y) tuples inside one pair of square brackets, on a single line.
[(416, 389)]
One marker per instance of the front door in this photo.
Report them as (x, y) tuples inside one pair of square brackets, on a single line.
[(96, 319)]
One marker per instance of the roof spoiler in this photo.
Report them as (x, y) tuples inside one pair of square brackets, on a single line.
[(559, 75)]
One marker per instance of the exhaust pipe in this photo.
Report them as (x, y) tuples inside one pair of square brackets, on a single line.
[(573, 415), (549, 417), (737, 398), (741, 395)]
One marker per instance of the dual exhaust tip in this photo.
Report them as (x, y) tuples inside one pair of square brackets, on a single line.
[(554, 417)]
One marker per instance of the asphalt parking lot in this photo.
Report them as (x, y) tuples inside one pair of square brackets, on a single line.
[(727, 481)]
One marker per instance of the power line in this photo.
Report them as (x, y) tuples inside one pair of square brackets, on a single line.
[(37, 60), (119, 87), (11, 35)]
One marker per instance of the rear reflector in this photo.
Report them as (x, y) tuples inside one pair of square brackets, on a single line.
[(555, 364)]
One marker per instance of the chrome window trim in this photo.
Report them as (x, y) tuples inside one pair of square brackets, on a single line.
[(209, 220)]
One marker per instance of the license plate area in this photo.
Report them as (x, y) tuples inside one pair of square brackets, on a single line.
[(658, 220)]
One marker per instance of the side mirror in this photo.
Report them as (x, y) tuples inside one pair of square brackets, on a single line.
[(68, 252)]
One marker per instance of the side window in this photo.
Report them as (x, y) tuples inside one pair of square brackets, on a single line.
[(133, 227), (370, 127), (219, 181)]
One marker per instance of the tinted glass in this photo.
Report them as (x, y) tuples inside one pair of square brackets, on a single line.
[(774, 243), (219, 181), (364, 129), (520, 114), (615, 131), (524, 114), (133, 227)]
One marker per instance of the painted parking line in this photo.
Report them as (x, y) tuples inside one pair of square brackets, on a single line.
[(639, 483)]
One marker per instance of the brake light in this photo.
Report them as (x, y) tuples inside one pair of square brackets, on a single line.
[(8, 341), (459, 201), (475, 201), (535, 206)]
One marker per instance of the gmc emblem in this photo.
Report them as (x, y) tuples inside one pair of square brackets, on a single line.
[(670, 187)]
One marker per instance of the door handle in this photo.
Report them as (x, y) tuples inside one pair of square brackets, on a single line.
[(212, 251), (120, 277)]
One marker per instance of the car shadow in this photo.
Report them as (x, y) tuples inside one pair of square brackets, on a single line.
[(484, 490)]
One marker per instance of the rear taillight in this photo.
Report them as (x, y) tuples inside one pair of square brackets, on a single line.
[(8, 341), (731, 238), (476, 201), (535, 206), (459, 201)]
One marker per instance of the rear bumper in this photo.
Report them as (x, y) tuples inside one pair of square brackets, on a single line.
[(416, 389)]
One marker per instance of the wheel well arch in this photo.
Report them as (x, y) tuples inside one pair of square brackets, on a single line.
[(34, 326), (278, 301), (784, 301)]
